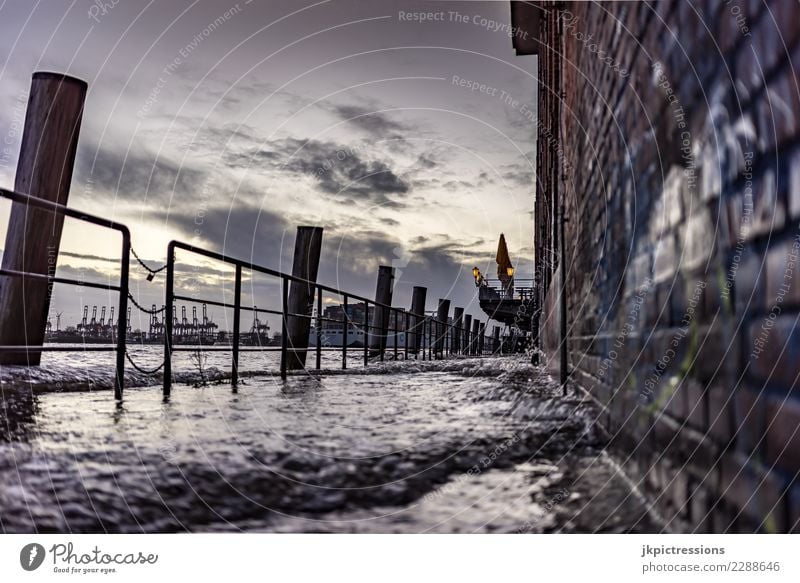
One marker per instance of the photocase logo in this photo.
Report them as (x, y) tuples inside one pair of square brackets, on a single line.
[(31, 556)]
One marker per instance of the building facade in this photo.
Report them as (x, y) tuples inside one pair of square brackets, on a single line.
[(668, 205)]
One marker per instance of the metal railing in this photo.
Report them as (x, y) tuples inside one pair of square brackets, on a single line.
[(122, 288), (424, 337), (519, 289)]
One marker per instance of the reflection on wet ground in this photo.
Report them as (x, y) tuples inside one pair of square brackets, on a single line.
[(473, 446)]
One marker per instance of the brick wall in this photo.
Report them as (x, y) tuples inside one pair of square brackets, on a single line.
[(670, 133)]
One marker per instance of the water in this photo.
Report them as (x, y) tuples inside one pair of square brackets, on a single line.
[(84, 369), (476, 445)]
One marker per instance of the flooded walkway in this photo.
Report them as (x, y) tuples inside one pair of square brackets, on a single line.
[(455, 446)]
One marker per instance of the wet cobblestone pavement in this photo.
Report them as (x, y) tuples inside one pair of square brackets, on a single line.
[(456, 446)]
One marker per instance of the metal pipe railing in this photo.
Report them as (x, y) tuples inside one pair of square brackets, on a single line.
[(431, 328), (122, 288)]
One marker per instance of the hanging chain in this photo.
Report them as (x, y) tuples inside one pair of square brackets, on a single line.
[(145, 310), (151, 273), (142, 370)]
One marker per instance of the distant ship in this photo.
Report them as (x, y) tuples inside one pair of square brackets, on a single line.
[(332, 332), (333, 335)]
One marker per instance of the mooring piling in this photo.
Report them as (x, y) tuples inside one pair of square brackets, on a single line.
[(44, 170), (458, 322), (418, 297), (476, 327), (481, 338), (442, 313), (496, 340), (383, 295), (467, 333), (300, 303)]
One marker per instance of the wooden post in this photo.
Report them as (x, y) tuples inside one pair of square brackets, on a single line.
[(307, 249), (394, 334), (418, 297), (476, 326), (442, 313), (467, 333), (383, 295), (458, 323), (44, 170), (496, 340), (406, 326), (481, 338)]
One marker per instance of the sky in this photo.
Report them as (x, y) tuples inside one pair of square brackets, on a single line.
[(405, 129)]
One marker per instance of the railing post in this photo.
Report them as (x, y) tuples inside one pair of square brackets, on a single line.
[(430, 338), (442, 312), (406, 334), (418, 296), (307, 249), (237, 305), (44, 170), (366, 334), (169, 301), (467, 333), (284, 326), (476, 326), (319, 328), (345, 330), (423, 332), (458, 322), (122, 319)]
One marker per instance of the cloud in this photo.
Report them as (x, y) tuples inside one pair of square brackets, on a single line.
[(377, 124), (518, 174), (87, 274), (338, 169), (426, 161), (242, 231), (137, 175), (88, 257)]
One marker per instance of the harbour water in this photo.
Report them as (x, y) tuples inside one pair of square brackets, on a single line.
[(469, 445)]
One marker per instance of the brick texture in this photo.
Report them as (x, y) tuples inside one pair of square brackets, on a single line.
[(670, 133)]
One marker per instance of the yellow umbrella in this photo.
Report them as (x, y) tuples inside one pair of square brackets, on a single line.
[(504, 265)]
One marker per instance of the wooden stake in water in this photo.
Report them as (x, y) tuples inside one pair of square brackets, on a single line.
[(44, 170), (383, 295), (458, 329), (418, 297), (442, 313), (467, 333), (307, 249)]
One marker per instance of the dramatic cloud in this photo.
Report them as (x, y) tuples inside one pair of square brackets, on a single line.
[(338, 169), (137, 175), (357, 128), (375, 123)]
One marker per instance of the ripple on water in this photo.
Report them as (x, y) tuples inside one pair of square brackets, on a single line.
[(282, 456)]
